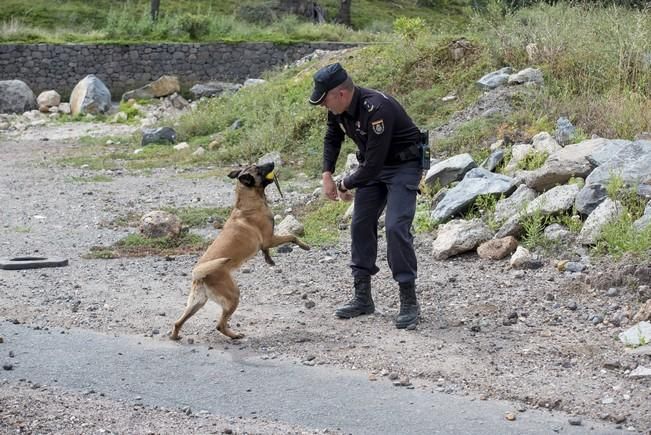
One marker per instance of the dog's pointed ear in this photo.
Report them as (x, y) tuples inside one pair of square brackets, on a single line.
[(247, 180), (234, 173)]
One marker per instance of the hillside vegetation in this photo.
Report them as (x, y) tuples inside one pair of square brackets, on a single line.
[(208, 20), (595, 62)]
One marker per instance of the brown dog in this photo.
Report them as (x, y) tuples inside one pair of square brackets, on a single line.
[(249, 229)]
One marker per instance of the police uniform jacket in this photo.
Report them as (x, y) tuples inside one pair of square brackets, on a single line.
[(380, 128)]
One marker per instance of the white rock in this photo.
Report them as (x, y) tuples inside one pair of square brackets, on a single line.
[(181, 146), (637, 335)]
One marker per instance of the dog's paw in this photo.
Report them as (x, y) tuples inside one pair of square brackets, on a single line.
[(303, 246)]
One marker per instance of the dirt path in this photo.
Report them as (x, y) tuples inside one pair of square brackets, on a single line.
[(552, 356)]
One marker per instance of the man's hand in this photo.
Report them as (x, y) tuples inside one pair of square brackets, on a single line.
[(329, 186), (345, 196)]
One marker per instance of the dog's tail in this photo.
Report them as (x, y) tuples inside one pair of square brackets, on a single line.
[(204, 269)]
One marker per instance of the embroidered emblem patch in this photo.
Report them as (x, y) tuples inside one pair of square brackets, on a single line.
[(378, 126)]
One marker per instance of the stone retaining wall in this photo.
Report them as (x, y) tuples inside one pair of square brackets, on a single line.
[(125, 67)]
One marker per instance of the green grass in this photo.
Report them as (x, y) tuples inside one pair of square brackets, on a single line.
[(321, 221), (620, 237), (533, 160), (122, 156), (423, 223), (92, 179), (484, 208), (136, 245)]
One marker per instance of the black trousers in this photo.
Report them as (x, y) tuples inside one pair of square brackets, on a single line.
[(394, 188)]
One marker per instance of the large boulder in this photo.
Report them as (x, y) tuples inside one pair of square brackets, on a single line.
[(16, 97), (48, 99), (450, 170), (605, 213), (507, 207), (164, 86), (563, 164), (477, 182), (632, 163), (90, 95)]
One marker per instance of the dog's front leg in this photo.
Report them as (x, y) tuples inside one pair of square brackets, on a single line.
[(277, 240), (267, 257)]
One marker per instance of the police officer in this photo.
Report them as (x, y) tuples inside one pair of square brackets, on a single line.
[(388, 176)]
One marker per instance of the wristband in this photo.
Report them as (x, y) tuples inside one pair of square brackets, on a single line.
[(341, 187)]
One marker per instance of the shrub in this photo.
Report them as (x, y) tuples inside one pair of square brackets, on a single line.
[(195, 26), (409, 28), (533, 160)]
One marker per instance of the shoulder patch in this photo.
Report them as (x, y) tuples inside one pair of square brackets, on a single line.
[(378, 126)]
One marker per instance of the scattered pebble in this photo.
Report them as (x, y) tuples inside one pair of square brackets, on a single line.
[(575, 421)]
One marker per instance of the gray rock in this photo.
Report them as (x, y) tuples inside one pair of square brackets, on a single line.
[(459, 236), (564, 131), (589, 198), (632, 163), (495, 79), (563, 164), (158, 135), (575, 266), (493, 160), (606, 212), (557, 232), (213, 89), (605, 150), (645, 219), (450, 170), (160, 223), (290, 225), (507, 207), (527, 75), (16, 97), (477, 182)]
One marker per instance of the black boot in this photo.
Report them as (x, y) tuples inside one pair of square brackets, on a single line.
[(409, 308), (361, 303)]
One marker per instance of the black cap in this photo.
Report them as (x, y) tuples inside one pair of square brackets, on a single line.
[(325, 79)]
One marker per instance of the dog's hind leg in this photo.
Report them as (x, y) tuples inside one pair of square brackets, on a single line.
[(277, 240), (229, 299), (196, 299), (267, 257)]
